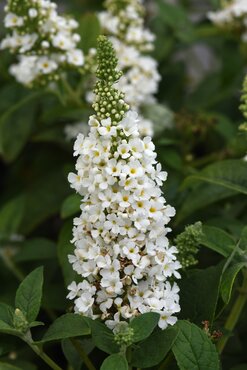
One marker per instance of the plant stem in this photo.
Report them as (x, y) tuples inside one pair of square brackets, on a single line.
[(71, 93), (6, 255), (234, 313), (83, 354), (39, 351)]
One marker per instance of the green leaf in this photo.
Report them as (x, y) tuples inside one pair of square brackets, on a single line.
[(228, 280), (71, 354), (230, 174), (6, 366), (216, 182), (15, 127), (172, 159), (6, 313), (243, 239), (6, 320), (90, 26), (154, 349), (201, 196), (67, 326), (114, 362), (199, 293), (177, 18), (11, 215), (36, 249), (29, 294), (8, 329), (64, 248), (193, 349), (143, 325), (71, 206), (103, 337), (34, 324), (218, 240), (44, 199)]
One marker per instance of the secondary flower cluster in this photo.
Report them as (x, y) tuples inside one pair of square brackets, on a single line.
[(233, 16), (123, 21), (45, 42), (121, 247)]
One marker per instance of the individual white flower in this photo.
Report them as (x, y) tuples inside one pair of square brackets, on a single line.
[(33, 13), (25, 71), (75, 57), (84, 302), (129, 124), (74, 290), (106, 129), (45, 65), (63, 41), (166, 319), (13, 20)]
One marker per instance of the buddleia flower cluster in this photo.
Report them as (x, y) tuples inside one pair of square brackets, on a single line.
[(44, 42), (233, 16), (122, 252)]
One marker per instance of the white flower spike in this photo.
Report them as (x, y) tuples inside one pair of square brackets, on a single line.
[(121, 247)]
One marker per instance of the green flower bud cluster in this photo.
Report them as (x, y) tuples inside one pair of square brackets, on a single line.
[(109, 102), (19, 321), (187, 244), (125, 336)]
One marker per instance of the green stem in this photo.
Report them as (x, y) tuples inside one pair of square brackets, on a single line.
[(59, 96), (39, 351), (234, 313), (71, 93), (6, 255), (83, 354)]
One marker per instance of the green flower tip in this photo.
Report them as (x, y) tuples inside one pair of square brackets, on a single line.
[(107, 61), (109, 102)]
